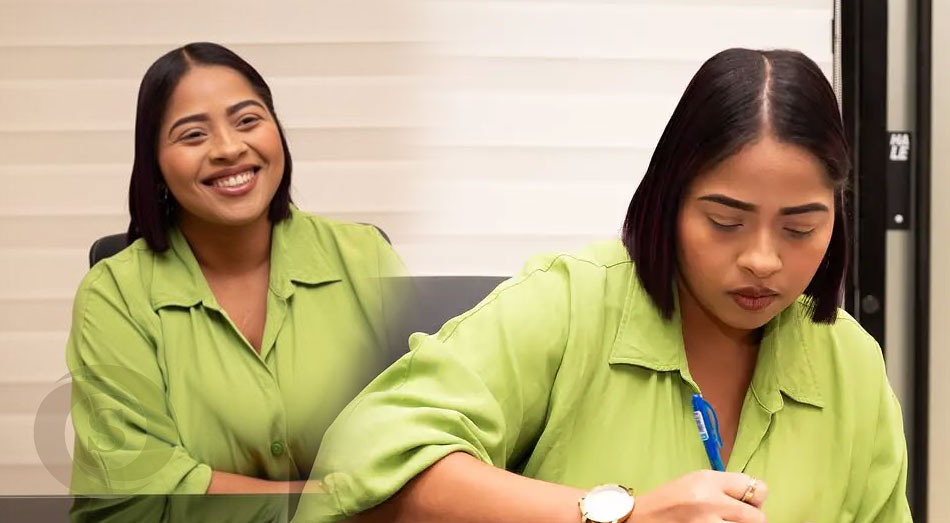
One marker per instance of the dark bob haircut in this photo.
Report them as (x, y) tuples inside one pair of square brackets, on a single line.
[(737, 97), (152, 209)]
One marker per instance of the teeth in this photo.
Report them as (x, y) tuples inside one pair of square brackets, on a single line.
[(234, 180)]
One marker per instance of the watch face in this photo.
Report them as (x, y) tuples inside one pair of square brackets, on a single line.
[(607, 503)]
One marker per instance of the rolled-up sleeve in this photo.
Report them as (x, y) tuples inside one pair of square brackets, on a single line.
[(480, 385), (126, 438)]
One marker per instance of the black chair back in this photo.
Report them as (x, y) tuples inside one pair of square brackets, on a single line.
[(437, 299), (425, 303), (106, 246)]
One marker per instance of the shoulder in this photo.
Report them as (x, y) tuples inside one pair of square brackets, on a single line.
[(543, 298), (580, 277), (114, 296), (847, 359), (597, 275), (126, 273), (842, 343), (337, 231), (346, 244), (860, 407), (598, 257)]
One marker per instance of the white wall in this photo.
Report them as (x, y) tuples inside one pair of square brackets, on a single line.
[(939, 466)]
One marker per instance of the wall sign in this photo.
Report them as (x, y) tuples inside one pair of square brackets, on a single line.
[(898, 180)]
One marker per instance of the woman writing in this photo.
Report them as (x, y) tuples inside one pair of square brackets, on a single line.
[(581, 370)]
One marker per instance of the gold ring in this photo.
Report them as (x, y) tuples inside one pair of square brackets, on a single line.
[(750, 490)]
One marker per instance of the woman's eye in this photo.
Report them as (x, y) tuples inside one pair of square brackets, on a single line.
[(248, 120), (191, 135), (800, 233), (725, 226)]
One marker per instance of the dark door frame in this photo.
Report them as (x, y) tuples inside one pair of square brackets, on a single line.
[(864, 111), (921, 366)]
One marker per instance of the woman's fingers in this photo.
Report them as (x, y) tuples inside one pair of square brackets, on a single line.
[(746, 489), (739, 512)]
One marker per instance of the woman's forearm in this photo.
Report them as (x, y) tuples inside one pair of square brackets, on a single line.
[(461, 489), (228, 483)]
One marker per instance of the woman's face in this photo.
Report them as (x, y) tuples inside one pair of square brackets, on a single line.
[(753, 231), (219, 148)]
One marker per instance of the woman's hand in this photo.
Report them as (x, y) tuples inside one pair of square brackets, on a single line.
[(704, 496)]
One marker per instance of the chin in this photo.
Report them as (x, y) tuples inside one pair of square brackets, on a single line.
[(244, 219), (236, 217), (745, 320)]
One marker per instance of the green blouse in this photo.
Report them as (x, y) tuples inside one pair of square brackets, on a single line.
[(166, 388), (567, 373)]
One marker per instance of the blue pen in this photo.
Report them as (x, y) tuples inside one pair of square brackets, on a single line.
[(708, 432)]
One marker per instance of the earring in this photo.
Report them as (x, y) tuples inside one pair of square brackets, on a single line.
[(166, 202)]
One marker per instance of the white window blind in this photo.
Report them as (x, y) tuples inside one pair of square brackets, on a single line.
[(545, 113)]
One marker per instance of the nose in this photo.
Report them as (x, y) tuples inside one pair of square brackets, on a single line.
[(761, 258), (227, 146)]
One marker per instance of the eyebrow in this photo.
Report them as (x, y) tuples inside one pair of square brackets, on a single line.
[(746, 206), (241, 105), (203, 117)]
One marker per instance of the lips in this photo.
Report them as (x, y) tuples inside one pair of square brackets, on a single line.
[(754, 298)]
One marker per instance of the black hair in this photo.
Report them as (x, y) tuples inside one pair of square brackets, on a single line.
[(737, 97), (152, 208)]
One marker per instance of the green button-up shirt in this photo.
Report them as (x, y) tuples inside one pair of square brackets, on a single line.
[(166, 388), (567, 373)]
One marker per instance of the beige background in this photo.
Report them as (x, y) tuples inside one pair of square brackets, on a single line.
[(939, 481), (900, 307)]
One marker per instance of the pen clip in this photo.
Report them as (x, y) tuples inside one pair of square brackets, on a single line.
[(715, 422)]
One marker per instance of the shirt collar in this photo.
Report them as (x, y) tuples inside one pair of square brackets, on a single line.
[(176, 277), (784, 363), (787, 359), (296, 257)]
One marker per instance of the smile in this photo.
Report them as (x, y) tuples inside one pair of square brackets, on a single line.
[(235, 180), (234, 183)]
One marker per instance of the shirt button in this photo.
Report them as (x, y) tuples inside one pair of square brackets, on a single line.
[(276, 448)]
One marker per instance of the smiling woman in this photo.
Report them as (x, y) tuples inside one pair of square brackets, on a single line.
[(212, 353), (224, 163)]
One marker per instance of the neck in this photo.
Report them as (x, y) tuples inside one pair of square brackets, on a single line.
[(703, 332), (228, 250)]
